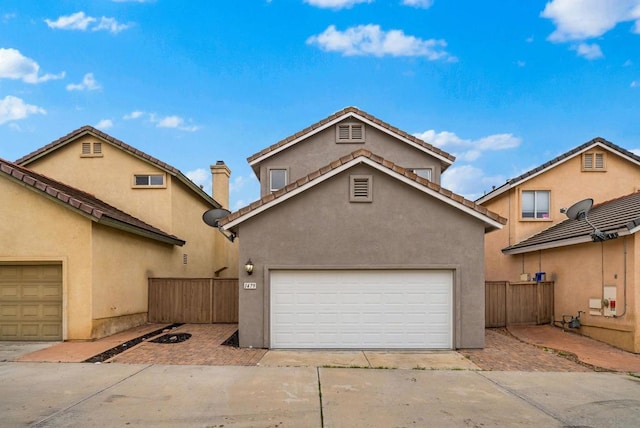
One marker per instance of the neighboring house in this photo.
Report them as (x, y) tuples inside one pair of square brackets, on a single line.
[(98, 256), (351, 250), (540, 238)]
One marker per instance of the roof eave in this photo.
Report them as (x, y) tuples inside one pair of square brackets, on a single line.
[(490, 224), (512, 183), (445, 162), (116, 224), (561, 243)]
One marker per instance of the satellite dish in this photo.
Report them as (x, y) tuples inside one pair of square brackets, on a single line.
[(212, 216), (579, 210)]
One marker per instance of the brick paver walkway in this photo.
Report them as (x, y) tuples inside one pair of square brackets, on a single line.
[(503, 352), (204, 347)]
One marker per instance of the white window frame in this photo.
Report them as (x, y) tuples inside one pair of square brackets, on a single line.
[(349, 127), (429, 171), (149, 184), (538, 214), (286, 178)]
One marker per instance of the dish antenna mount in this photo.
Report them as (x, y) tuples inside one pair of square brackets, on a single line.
[(580, 211), (212, 218)]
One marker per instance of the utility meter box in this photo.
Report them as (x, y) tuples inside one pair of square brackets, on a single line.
[(609, 301)]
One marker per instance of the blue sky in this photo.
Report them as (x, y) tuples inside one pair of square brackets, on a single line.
[(503, 85)]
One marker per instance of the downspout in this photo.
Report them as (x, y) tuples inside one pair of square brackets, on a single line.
[(624, 278)]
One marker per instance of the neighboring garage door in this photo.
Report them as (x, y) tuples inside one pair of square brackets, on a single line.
[(31, 302), (401, 309)]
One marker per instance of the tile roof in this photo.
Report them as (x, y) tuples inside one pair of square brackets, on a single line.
[(364, 154), (81, 201), (553, 162), (31, 157), (617, 215), (344, 112)]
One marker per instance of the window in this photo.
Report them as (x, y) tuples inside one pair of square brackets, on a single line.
[(91, 149), (360, 188), (423, 172), (148, 180), (350, 133), (535, 204), (277, 179), (593, 161)]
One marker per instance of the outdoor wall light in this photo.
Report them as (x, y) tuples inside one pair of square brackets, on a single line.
[(248, 266)]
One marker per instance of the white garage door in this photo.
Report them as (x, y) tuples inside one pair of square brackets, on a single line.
[(401, 309)]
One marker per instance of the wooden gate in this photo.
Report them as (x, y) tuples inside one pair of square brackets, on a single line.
[(193, 300), (518, 303)]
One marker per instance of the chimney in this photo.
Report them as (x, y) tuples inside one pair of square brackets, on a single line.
[(220, 189)]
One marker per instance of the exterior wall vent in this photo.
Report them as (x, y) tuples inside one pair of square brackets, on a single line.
[(360, 188)]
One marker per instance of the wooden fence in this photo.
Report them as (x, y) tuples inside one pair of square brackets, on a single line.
[(518, 303), (193, 300)]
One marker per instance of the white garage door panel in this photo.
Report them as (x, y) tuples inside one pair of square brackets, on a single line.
[(361, 309)]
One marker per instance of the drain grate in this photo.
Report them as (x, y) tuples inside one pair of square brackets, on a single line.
[(171, 338)]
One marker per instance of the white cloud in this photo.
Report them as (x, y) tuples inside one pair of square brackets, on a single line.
[(422, 4), (335, 4), (635, 84), (80, 21), (88, 84), (589, 51), (365, 40), (104, 124), (202, 177), (585, 19), (469, 150), (111, 25), (635, 151), (14, 65), (13, 108), (521, 63), (133, 115), (468, 181), (173, 121)]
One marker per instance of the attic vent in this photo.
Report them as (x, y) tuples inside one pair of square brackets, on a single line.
[(593, 161), (90, 149), (361, 188), (350, 133)]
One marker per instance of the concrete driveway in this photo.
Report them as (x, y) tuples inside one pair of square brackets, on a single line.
[(79, 395)]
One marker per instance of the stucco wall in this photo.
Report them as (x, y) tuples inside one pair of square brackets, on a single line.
[(401, 228), (580, 272), (568, 184), (34, 228), (174, 209), (320, 149), (110, 178)]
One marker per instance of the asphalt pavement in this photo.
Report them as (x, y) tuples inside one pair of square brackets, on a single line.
[(74, 395)]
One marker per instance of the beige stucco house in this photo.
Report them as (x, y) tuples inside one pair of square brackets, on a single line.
[(74, 264), (354, 243), (540, 238)]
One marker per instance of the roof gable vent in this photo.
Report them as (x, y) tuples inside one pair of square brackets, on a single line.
[(360, 188)]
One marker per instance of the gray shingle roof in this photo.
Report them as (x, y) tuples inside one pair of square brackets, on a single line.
[(617, 215), (84, 202), (555, 161)]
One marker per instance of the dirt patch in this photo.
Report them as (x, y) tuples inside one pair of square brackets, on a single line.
[(109, 353), (172, 338), (233, 340)]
